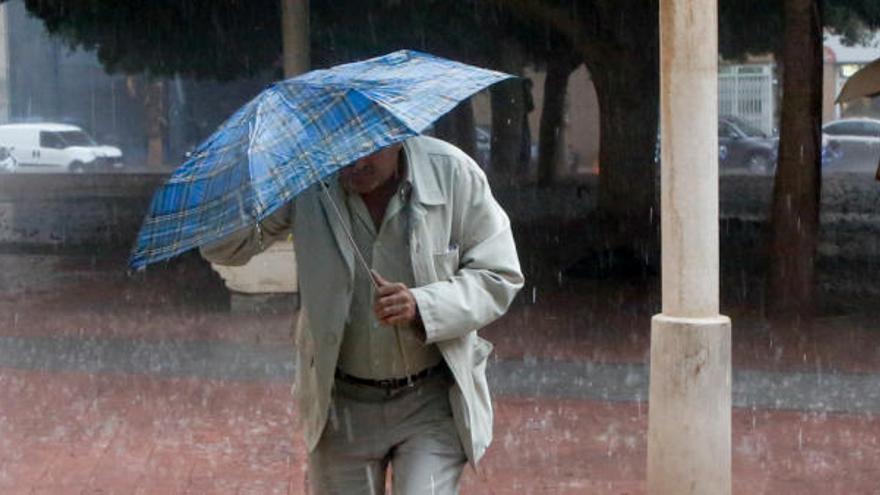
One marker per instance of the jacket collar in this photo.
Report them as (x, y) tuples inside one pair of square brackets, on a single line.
[(338, 218), (426, 189)]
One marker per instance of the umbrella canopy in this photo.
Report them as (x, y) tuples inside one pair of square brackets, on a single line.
[(293, 134), (865, 82)]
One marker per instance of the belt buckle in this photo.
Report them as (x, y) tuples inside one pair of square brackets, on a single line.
[(392, 386), (389, 386)]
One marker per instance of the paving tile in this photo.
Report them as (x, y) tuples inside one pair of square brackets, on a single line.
[(18, 478), (70, 469), (58, 489), (167, 464), (211, 486), (156, 487), (11, 488), (259, 487), (28, 467)]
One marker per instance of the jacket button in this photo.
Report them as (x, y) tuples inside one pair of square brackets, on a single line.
[(331, 339)]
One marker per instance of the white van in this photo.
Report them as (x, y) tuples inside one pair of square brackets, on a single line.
[(44, 147)]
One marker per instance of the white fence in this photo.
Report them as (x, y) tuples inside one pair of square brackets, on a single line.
[(746, 91)]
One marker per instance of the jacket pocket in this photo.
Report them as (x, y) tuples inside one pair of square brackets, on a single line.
[(446, 263)]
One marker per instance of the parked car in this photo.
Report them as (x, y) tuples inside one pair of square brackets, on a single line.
[(742, 145), (483, 141), (857, 142), (46, 147)]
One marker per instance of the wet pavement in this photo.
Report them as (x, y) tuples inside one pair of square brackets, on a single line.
[(147, 384), (536, 378)]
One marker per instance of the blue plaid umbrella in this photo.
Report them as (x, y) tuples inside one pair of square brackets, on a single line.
[(293, 134)]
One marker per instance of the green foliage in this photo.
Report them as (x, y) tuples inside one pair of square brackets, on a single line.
[(225, 39), (756, 26), (749, 27), (467, 30), (218, 39), (349, 30), (853, 19)]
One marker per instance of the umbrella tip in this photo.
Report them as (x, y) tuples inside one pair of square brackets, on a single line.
[(136, 265)]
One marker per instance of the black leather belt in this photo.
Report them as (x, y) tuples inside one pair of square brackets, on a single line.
[(392, 383)]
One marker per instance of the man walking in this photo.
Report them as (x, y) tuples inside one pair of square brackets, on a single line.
[(390, 370)]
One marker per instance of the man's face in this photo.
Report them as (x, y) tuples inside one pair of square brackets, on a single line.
[(371, 171)]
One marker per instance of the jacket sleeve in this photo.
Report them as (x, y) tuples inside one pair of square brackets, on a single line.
[(487, 275), (238, 248)]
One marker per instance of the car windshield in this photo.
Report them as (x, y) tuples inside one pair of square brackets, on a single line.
[(76, 138), (748, 129)]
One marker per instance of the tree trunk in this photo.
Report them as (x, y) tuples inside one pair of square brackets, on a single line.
[(507, 117), (555, 86), (156, 116), (798, 182), (295, 36), (457, 127), (627, 87), (464, 124), (508, 113)]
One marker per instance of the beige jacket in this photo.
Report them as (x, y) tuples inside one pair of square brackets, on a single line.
[(465, 266)]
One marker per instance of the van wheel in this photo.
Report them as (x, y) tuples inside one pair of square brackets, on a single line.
[(77, 167)]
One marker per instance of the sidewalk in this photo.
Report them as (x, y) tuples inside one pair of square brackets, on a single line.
[(146, 385)]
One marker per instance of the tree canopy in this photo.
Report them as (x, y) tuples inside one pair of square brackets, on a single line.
[(225, 39), (753, 27), (216, 39)]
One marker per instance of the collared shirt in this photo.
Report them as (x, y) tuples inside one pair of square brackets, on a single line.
[(370, 349)]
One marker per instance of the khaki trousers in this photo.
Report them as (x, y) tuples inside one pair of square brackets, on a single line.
[(411, 430)]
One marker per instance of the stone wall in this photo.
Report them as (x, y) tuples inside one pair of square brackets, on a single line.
[(104, 212), (101, 211)]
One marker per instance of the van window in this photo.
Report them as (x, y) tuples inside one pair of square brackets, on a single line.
[(76, 138), (51, 140)]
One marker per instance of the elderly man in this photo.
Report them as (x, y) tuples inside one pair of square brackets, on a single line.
[(390, 368)]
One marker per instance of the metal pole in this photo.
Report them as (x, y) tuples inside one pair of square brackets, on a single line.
[(689, 446)]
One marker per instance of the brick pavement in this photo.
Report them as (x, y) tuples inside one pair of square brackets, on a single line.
[(70, 430), (65, 433)]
